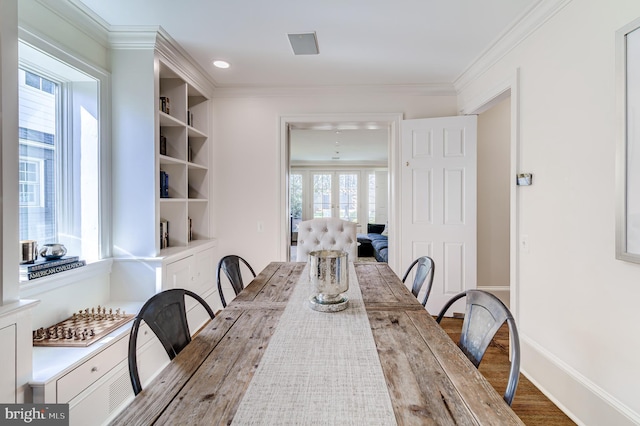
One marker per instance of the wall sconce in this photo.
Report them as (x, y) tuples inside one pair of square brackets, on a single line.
[(524, 179)]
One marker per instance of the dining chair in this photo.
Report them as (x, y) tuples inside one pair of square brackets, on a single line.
[(425, 267), (230, 265), (166, 316), (327, 233), (484, 315)]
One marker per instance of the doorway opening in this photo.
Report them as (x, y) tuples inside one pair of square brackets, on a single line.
[(344, 187), (507, 90)]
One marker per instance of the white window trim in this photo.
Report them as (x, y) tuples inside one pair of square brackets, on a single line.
[(104, 104)]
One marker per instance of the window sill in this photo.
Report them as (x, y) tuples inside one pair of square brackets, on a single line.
[(33, 288)]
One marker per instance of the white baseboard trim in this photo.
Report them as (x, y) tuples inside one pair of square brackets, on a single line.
[(580, 399)]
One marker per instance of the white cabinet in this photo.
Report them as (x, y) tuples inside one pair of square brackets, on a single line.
[(195, 272), (95, 381), (8, 358)]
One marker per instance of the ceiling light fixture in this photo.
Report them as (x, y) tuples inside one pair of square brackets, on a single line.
[(304, 43), (221, 64)]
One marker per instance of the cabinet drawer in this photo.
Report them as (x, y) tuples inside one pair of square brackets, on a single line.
[(87, 373)]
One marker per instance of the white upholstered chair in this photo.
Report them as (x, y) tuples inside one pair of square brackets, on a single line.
[(328, 233)]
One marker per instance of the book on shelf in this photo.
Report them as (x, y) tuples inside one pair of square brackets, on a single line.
[(51, 270), (164, 184), (44, 264), (163, 145), (164, 234), (165, 105)]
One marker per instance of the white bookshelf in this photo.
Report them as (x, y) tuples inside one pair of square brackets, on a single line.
[(141, 77)]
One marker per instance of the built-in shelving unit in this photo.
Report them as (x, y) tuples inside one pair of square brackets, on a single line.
[(170, 99), (145, 66), (183, 127)]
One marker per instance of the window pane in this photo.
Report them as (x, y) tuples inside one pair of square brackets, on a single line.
[(295, 200), (348, 193), (48, 86), (371, 213), (322, 195), (38, 192), (32, 80)]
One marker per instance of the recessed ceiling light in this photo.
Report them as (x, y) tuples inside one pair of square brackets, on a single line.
[(221, 64)]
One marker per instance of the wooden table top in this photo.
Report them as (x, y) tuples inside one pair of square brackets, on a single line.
[(429, 379)]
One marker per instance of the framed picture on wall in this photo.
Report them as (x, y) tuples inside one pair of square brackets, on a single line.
[(628, 161)]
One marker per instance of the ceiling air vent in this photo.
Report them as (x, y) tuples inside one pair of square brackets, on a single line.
[(304, 43)]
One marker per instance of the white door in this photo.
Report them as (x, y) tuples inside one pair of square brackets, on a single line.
[(438, 198)]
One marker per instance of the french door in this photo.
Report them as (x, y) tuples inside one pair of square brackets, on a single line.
[(335, 194)]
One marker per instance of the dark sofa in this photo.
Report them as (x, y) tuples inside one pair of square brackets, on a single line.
[(373, 243)]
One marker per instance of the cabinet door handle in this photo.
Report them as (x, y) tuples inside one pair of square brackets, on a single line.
[(94, 369)]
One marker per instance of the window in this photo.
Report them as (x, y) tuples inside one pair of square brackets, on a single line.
[(371, 210), (322, 205), (348, 202), (295, 197), (331, 200), (355, 195), (59, 146), (31, 183)]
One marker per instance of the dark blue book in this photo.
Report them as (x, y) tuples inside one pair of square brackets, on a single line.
[(44, 264)]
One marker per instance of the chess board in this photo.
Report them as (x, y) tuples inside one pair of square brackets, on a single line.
[(82, 329)]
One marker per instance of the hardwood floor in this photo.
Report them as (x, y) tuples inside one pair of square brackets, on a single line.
[(531, 405)]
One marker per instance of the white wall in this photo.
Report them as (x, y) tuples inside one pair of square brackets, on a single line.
[(494, 180), (577, 304), (247, 159)]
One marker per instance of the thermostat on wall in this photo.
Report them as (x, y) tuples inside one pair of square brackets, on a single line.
[(524, 179)]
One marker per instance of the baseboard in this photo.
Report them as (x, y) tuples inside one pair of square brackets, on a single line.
[(580, 399), (501, 292)]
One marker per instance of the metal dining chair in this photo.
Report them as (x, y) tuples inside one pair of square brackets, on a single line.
[(230, 265), (484, 315), (425, 267), (166, 316)]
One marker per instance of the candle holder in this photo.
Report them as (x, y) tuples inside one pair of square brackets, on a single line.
[(329, 276)]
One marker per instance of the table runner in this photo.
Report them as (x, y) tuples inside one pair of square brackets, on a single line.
[(319, 368)]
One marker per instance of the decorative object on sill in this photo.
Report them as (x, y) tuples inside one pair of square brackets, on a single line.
[(525, 179), (28, 251), (53, 251), (329, 277), (51, 269), (83, 328)]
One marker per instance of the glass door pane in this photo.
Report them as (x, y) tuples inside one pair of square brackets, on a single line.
[(348, 196), (322, 195)]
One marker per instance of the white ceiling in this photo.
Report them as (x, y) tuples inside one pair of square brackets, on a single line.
[(361, 42), (364, 147)]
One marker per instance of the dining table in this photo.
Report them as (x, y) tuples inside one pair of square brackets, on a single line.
[(269, 358)]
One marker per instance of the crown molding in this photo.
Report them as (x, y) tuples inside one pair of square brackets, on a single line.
[(444, 89), (525, 25), (77, 15), (156, 38)]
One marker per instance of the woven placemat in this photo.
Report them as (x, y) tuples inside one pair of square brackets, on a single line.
[(319, 368)]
